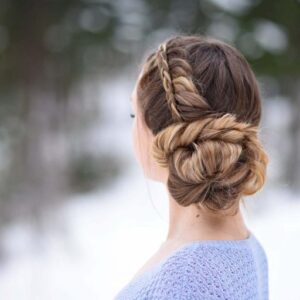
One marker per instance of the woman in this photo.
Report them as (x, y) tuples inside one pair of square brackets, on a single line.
[(197, 108)]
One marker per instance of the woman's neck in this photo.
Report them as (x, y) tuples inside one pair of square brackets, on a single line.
[(191, 223)]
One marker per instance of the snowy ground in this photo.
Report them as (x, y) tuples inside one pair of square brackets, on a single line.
[(97, 242)]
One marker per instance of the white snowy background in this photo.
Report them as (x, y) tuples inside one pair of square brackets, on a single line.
[(92, 245)]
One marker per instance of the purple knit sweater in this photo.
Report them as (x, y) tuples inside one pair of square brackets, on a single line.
[(205, 270)]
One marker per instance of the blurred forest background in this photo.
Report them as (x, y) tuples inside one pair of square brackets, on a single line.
[(67, 69)]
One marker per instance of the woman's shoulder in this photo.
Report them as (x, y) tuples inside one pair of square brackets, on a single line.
[(197, 257), (205, 270), (209, 270), (204, 253)]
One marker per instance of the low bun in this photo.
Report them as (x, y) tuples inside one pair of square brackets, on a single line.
[(213, 161)]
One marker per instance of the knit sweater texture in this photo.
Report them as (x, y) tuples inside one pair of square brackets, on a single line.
[(205, 270)]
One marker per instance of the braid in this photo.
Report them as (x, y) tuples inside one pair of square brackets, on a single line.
[(167, 80), (176, 75)]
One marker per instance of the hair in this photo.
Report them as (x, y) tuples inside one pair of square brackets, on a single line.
[(200, 99)]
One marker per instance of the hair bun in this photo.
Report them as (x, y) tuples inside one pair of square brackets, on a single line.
[(212, 160)]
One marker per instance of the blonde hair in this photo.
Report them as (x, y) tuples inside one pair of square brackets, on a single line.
[(213, 155)]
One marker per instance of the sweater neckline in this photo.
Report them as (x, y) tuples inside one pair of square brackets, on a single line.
[(227, 243)]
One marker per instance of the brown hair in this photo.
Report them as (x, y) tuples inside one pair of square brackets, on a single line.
[(200, 99)]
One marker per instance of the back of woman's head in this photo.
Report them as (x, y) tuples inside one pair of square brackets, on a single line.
[(200, 99)]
